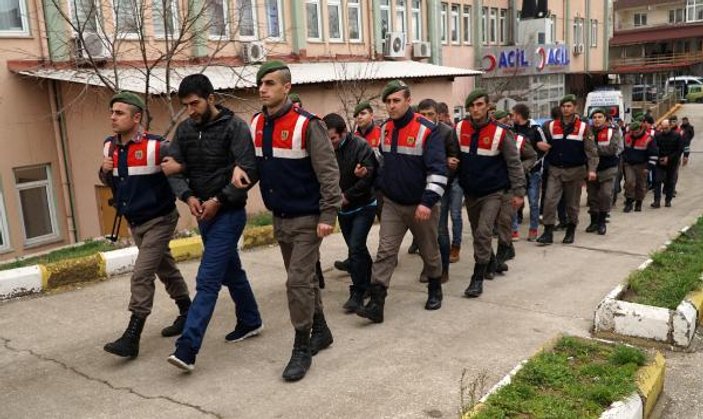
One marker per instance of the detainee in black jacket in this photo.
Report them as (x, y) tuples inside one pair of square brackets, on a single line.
[(358, 191)]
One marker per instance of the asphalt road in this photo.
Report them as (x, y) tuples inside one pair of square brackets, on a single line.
[(52, 363)]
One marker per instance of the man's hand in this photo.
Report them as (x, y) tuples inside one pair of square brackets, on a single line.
[(107, 165), (592, 176), (324, 230), (195, 208), (345, 201), (209, 209), (685, 161), (517, 202), (360, 171), (170, 167), (543, 146), (452, 163), (240, 179), (663, 161), (422, 213)]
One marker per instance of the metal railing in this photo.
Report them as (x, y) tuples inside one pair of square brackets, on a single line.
[(658, 59)]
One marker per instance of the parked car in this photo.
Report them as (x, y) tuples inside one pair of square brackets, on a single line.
[(644, 92), (695, 94), (682, 84)]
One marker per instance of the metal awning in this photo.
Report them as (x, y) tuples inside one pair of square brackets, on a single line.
[(232, 78)]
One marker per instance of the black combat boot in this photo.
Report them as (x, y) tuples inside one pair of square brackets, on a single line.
[(128, 344), (355, 301), (342, 265), (511, 252), (490, 271), (321, 336), (570, 233), (655, 204), (601, 223), (638, 206), (434, 294), (593, 227), (547, 236), (177, 327), (501, 257), (628, 205), (475, 288), (300, 358), (373, 310)]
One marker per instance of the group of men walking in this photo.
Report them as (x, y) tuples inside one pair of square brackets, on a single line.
[(313, 171)]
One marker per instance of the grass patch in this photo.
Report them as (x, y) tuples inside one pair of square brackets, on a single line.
[(577, 379), (264, 218), (89, 248), (673, 273)]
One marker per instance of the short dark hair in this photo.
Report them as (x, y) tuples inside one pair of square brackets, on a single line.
[(197, 84), (427, 104), (442, 108), (556, 112), (336, 122), (649, 119), (522, 110)]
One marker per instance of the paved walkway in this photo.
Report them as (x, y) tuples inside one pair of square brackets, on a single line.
[(53, 364)]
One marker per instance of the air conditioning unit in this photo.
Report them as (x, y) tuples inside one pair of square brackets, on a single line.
[(578, 49), (422, 50), (394, 45), (91, 47), (254, 52)]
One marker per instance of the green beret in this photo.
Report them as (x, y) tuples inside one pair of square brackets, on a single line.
[(128, 98), (268, 67), (500, 114), (475, 94), (362, 106), (568, 98), (393, 86), (635, 126), (598, 110), (295, 98)]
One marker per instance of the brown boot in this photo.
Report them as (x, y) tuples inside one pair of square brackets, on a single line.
[(454, 254)]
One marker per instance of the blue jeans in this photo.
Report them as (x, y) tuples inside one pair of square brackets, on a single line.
[(220, 265), (456, 207), (355, 229), (534, 182), (449, 201)]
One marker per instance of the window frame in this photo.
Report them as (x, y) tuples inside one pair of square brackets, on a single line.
[(401, 15), (693, 6), (225, 21), (281, 21), (318, 6), (72, 14), (444, 23), (340, 21), (484, 25), (115, 21), (254, 21), (493, 26), (466, 24), (48, 184), (455, 23), (416, 20), (175, 20), (593, 35), (5, 245), (355, 4), (503, 26), (385, 8), (642, 19), (24, 19)]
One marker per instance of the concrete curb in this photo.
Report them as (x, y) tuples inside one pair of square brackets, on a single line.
[(614, 317), (22, 281), (638, 405)]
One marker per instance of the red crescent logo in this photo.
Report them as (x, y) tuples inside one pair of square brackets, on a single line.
[(542, 58), (491, 62)]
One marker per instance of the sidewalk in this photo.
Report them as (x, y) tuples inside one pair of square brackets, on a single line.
[(410, 366)]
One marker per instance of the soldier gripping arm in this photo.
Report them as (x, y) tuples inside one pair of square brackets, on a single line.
[(241, 148), (508, 148), (528, 156), (591, 149), (435, 158), (324, 164), (178, 182)]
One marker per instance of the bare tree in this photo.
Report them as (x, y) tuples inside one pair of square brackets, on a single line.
[(353, 85)]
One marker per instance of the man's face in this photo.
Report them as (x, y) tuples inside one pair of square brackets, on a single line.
[(364, 118), (123, 118), (665, 126), (568, 109), (598, 119), (429, 113), (478, 109), (272, 90), (197, 108), (335, 137), (638, 133), (505, 120), (517, 118), (397, 104)]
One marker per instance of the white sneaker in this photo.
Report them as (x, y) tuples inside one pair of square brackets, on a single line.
[(173, 360)]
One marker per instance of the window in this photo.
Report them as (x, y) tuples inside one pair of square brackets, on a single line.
[(443, 23), (553, 20), (484, 25), (216, 10), (247, 19), (594, 33), (36, 197), (4, 235), (128, 15), (494, 26), (640, 19), (354, 16), (386, 24), (676, 16), (417, 20), (165, 18), (454, 28), (694, 10), (274, 19), (578, 31), (13, 18), (84, 15), (334, 14), (312, 19), (466, 18), (503, 27)]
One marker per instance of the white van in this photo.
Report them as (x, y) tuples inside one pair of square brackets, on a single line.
[(611, 101), (681, 83)]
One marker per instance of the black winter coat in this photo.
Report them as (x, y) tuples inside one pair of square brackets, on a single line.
[(358, 191)]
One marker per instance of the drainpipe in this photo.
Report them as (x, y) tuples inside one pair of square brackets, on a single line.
[(61, 139), (377, 28), (434, 30), (299, 33), (371, 28), (606, 36), (477, 39), (587, 42)]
